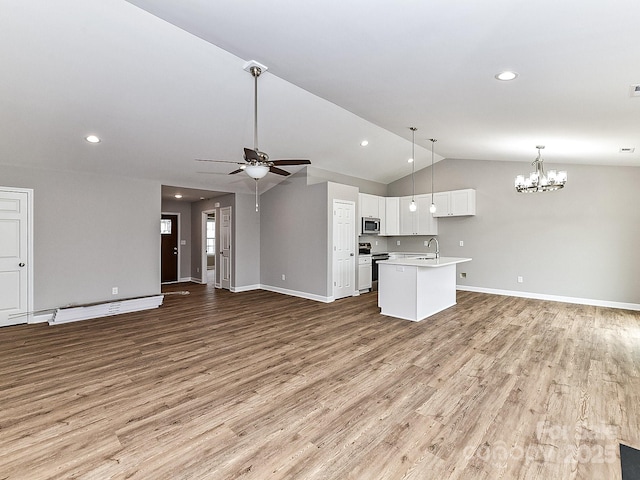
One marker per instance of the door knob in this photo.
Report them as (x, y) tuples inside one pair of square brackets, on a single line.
[(21, 264)]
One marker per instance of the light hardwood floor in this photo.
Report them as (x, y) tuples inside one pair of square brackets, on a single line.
[(257, 385)]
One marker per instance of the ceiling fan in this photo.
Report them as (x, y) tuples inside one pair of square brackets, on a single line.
[(256, 163)]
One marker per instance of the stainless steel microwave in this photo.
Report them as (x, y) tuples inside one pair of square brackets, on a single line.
[(370, 226)]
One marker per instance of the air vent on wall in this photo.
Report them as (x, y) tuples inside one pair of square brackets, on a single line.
[(634, 90)]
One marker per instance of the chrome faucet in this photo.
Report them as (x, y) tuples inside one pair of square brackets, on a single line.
[(437, 246)]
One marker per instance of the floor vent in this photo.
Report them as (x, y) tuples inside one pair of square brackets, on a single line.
[(75, 314)]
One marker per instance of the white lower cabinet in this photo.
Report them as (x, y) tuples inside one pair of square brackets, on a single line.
[(364, 272)]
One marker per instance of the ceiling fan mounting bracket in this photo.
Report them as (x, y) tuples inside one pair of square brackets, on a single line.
[(251, 64)]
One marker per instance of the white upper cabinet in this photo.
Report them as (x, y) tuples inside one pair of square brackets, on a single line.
[(455, 203), (391, 225), (369, 206), (420, 222), (427, 223)]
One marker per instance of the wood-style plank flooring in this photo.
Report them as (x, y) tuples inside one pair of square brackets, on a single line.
[(257, 385)]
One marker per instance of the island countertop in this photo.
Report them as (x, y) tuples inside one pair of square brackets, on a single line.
[(425, 262)]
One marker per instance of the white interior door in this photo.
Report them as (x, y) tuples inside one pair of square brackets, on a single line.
[(14, 256), (344, 241), (225, 248)]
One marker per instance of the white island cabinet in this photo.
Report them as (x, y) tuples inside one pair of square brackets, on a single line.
[(416, 288)]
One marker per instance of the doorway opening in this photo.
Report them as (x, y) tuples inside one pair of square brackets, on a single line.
[(209, 241)]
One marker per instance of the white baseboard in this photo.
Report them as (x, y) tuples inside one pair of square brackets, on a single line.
[(75, 314), (244, 288), (295, 293), (552, 298), (43, 318)]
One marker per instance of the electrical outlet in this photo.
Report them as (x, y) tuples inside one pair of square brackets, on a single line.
[(114, 291), (197, 269), (426, 243), (376, 242), (520, 279), (461, 243), (397, 242), (284, 277)]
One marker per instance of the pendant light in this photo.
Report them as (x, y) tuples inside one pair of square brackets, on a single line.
[(412, 206), (432, 208)]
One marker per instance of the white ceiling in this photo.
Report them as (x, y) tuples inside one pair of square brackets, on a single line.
[(339, 72)]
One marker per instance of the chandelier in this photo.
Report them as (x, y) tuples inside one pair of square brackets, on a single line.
[(538, 180)]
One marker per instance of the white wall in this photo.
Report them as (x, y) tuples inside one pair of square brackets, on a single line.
[(91, 233), (578, 242)]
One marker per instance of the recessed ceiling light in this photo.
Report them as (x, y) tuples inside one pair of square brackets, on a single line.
[(506, 75), (92, 139), (364, 143), (177, 195)]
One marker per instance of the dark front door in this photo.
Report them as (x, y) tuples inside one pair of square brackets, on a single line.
[(169, 248)]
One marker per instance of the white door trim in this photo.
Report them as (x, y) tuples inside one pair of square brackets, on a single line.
[(29, 314), (220, 242), (343, 288), (203, 259)]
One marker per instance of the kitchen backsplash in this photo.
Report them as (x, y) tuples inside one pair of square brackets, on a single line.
[(413, 244)]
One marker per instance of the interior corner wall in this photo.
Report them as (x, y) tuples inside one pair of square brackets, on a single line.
[(317, 175), (293, 236), (578, 242), (91, 233), (247, 242), (184, 209)]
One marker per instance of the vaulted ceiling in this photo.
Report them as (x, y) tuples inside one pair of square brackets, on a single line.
[(162, 83)]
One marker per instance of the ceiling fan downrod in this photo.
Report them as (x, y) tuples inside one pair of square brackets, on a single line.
[(255, 71)]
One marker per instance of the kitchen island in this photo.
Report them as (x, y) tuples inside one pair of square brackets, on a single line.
[(416, 288)]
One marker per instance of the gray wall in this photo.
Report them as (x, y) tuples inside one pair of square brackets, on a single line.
[(293, 241), (91, 233), (245, 241), (577, 242), (184, 209)]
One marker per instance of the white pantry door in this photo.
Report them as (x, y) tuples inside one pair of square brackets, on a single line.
[(344, 240), (14, 256), (225, 248)]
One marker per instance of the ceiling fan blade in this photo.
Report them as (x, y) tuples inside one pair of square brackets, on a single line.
[(291, 162), (217, 161), (251, 155), (236, 171), (279, 171)]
